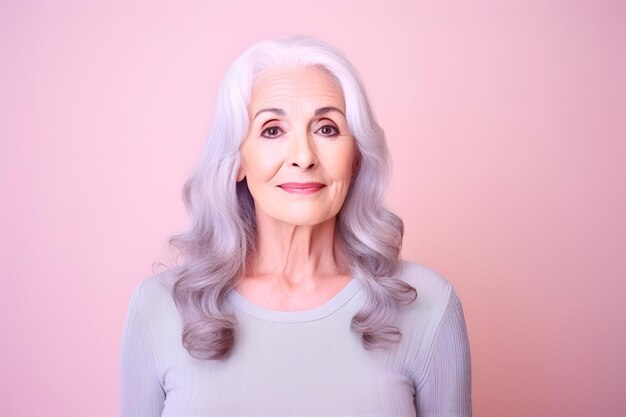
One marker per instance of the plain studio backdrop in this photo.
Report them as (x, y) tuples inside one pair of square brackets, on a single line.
[(505, 121)]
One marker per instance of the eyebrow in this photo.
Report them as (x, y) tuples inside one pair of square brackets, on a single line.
[(324, 110), (281, 112)]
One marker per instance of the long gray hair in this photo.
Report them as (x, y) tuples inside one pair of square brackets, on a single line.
[(221, 234)]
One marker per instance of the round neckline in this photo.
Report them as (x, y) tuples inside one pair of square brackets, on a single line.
[(329, 307)]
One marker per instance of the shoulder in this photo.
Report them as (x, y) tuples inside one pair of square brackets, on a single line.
[(429, 284), (434, 293), (153, 296)]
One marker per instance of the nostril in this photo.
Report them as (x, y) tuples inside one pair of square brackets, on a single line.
[(309, 166)]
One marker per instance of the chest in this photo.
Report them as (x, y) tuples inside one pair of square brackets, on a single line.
[(282, 370), (270, 295)]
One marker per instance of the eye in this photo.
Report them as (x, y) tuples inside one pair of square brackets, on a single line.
[(328, 130), (271, 132)]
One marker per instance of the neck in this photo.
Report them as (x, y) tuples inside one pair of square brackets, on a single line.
[(295, 257)]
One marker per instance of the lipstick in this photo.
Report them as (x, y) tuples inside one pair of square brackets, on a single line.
[(303, 188)]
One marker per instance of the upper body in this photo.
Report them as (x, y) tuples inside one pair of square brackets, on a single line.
[(308, 362), (291, 299)]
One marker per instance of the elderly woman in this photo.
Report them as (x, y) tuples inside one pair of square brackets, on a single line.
[(289, 297)]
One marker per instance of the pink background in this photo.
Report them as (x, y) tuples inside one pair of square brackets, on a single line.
[(506, 126)]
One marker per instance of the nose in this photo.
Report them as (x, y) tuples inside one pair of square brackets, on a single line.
[(301, 152)]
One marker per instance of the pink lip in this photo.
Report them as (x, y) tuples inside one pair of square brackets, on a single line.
[(301, 187)]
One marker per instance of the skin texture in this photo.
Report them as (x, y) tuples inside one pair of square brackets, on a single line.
[(303, 138)]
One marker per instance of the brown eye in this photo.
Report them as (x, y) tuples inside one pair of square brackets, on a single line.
[(328, 130), (271, 132)]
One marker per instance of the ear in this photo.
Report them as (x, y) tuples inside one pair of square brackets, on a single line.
[(356, 163), (240, 174)]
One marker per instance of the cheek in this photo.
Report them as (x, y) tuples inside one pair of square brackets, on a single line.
[(259, 164), (340, 163)]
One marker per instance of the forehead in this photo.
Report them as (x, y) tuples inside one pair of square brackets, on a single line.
[(285, 87)]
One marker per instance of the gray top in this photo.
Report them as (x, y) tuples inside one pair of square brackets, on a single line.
[(302, 316), (300, 363)]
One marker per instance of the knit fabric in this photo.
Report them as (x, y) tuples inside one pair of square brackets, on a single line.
[(300, 363)]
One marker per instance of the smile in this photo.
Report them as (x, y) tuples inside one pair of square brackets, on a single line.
[(301, 187)]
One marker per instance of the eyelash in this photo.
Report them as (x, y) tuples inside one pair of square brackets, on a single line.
[(264, 131), (335, 130)]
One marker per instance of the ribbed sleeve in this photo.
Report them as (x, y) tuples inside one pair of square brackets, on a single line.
[(141, 391), (299, 363), (446, 391)]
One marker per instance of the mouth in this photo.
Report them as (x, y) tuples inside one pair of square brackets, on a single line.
[(301, 187)]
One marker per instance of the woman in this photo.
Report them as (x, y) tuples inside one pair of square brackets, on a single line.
[(290, 298)]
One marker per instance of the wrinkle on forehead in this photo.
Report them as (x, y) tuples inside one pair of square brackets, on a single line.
[(285, 68), (276, 85)]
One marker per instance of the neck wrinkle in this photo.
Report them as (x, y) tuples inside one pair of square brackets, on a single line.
[(295, 257)]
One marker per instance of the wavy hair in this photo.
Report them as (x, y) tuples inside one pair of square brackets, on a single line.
[(221, 233)]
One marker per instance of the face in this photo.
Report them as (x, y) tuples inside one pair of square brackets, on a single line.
[(298, 157)]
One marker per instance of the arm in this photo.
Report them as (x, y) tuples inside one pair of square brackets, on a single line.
[(446, 391), (141, 391)]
